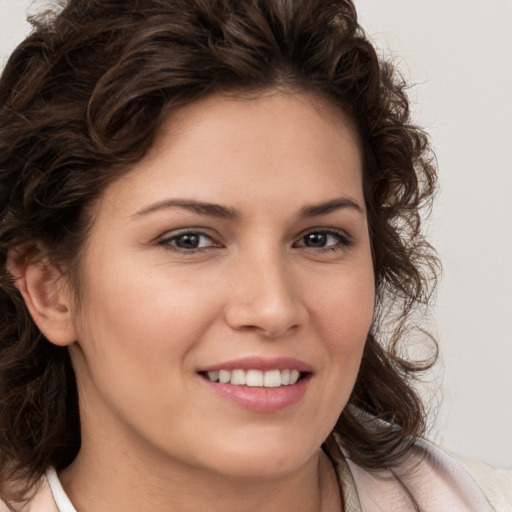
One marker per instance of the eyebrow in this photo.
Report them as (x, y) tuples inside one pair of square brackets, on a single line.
[(225, 212), (330, 206), (199, 207)]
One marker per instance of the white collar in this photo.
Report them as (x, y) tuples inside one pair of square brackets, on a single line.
[(59, 495)]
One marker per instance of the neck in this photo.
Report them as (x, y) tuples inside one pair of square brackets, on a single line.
[(96, 483)]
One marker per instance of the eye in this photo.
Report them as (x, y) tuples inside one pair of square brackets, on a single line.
[(324, 239), (188, 241)]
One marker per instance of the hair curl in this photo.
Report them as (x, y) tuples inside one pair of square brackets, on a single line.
[(84, 96)]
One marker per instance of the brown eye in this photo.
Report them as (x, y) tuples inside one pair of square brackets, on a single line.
[(324, 239), (188, 241), (316, 239)]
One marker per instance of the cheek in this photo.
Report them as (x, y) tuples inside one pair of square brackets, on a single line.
[(342, 316), (340, 319), (135, 336), (147, 310), (138, 337), (344, 307)]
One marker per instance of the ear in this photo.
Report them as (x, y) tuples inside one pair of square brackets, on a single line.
[(46, 295)]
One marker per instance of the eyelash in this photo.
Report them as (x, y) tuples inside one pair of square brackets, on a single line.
[(344, 241), (167, 242)]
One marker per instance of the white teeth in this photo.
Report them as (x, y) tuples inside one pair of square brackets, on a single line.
[(272, 379), (224, 376), (238, 377), (256, 378), (213, 376)]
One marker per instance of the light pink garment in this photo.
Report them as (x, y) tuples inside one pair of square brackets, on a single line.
[(437, 481)]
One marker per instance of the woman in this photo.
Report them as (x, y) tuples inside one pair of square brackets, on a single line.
[(211, 256)]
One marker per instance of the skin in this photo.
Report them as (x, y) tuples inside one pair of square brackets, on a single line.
[(151, 314)]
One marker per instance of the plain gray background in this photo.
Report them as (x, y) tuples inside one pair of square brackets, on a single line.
[(459, 55)]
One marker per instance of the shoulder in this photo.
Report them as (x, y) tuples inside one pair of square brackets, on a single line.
[(495, 483), (437, 480), (469, 477)]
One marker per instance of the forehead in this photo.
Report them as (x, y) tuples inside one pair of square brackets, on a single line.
[(232, 149), (273, 118)]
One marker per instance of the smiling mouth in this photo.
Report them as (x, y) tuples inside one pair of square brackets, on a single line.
[(255, 378)]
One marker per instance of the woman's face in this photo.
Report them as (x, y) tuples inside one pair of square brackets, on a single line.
[(238, 246)]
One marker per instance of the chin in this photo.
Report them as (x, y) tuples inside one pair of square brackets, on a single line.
[(261, 460)]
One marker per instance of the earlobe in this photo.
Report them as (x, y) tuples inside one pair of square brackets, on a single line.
[(46, 297)]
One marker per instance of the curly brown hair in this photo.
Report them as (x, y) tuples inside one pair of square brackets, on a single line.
[(84, 96)]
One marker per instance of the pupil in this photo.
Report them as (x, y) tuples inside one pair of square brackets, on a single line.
[(188, 241), (316, 239)]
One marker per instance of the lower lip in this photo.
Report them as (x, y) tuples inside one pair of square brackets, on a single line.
[(261, 399)]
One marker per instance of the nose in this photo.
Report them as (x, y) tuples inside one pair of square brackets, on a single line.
[(265, 299)]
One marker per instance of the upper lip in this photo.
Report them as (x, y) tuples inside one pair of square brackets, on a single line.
[(260, 363)]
